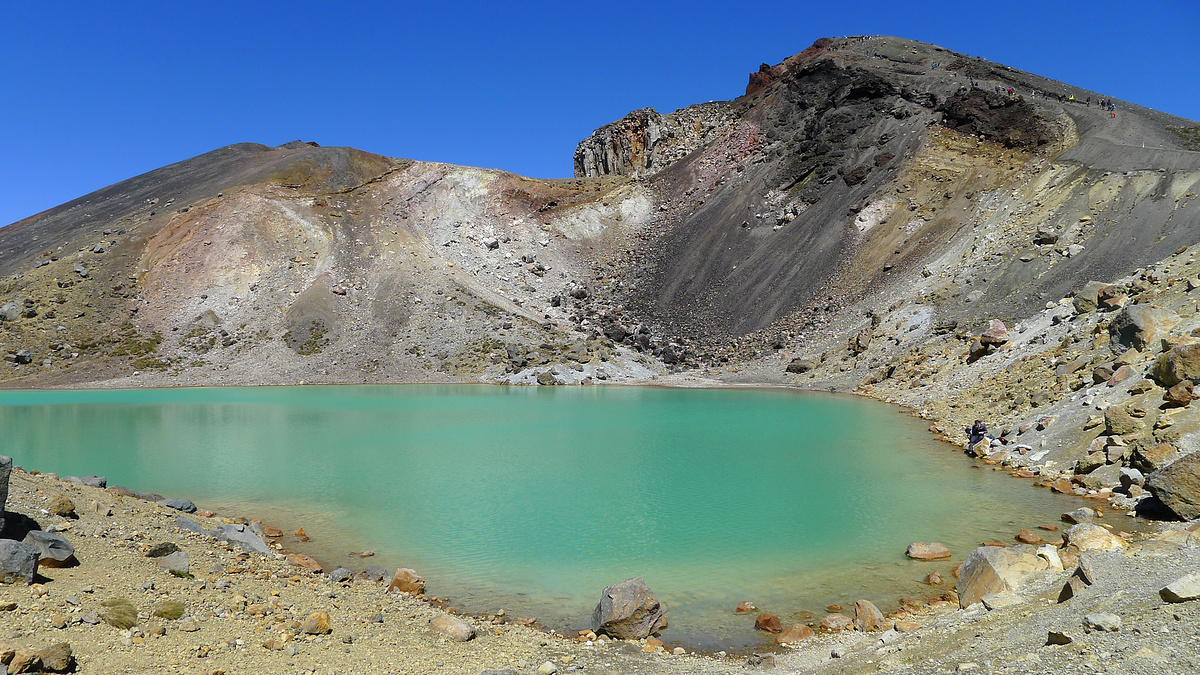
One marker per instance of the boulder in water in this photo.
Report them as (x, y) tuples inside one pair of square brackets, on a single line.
[(927, 551), (628, 611)]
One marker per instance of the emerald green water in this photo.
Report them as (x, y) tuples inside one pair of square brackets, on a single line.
[(532, 499)]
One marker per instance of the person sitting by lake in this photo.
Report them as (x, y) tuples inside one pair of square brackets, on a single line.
[(977, 433)]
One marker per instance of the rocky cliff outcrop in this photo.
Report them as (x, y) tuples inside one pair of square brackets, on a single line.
[(644, 142)]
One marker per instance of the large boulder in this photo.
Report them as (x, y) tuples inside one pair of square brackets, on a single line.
[(628, 611), (1087, 299), (1140, 326), (1178, 486), (5, 471), (1091, 537), (54, 549), (1118, 422), (18, 562), (990, 569), (1178, 364)]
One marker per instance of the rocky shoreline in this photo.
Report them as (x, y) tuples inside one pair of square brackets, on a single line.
[(235, 602)]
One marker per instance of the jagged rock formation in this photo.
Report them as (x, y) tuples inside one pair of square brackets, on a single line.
[(644, 142)]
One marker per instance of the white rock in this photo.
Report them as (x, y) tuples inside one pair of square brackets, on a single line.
[(547, 668), (1183, 589), (1050, 554)]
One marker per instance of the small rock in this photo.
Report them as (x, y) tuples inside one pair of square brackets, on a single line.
[(867, 616), (745, 607), (453, 628), (163, 549), (340, 575), (305, 561), (176, 563), (1058, 637), (933, 579), (836, 622), (407, 581), (317, 623), (794, 633), (189, 625), (1103, 621), (1028, 536), (768, 622), (61, 505), (179, 504), (547, 668), (927, 551), (1079, 515)]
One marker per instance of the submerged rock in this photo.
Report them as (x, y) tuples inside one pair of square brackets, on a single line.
[(927, 551), (768, 622), (628, 611), (242, 537)]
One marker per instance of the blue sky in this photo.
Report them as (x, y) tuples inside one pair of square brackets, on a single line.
[(98, 92)]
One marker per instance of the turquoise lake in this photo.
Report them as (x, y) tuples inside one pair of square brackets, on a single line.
[(532, 499)]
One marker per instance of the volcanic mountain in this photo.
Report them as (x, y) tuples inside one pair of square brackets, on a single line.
[(859, 177)]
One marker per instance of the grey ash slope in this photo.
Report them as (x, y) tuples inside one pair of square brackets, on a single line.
[(762, 213)]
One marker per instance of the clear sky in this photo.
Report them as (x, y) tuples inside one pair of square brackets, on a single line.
[(97, 92)]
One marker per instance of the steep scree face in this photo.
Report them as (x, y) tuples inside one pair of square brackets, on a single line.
[(853, 167)]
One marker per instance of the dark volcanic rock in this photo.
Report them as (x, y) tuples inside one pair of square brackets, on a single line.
[(18, 562), (628, 611), (54, 549)]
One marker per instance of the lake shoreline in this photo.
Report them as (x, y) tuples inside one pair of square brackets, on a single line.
[(817, 648)]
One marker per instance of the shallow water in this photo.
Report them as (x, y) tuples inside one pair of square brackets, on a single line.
[(532, 499)]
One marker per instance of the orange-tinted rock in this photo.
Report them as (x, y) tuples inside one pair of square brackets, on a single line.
[(317, 623), (769, 623), (1028, 536), (933, 579), (867, 616), (794, 633), (834, 608), (836, 622), (997, 544), (927, 551), (1062, 485), (1180, 395), (905, 626), (272, 531), (301, 535), (407, 581), (745, 607), (301, 560), (1048, 528)]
